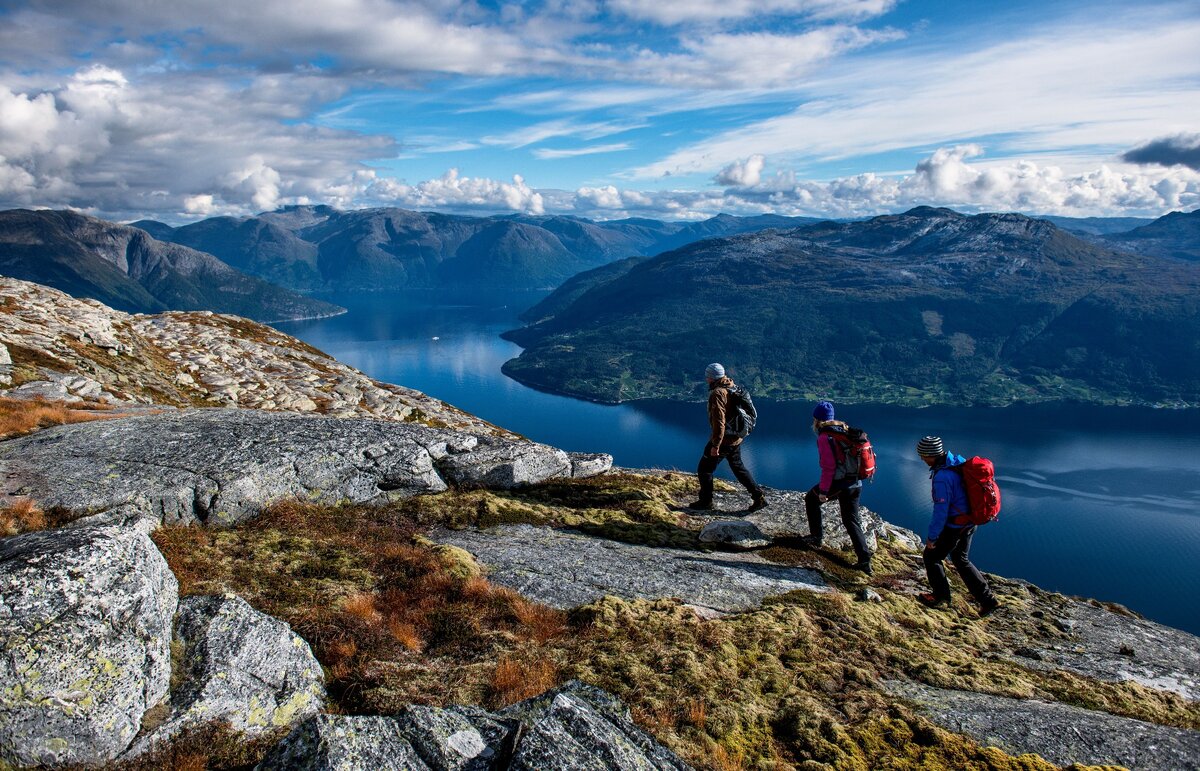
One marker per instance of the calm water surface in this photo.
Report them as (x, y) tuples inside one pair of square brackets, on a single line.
[(1101, 502)]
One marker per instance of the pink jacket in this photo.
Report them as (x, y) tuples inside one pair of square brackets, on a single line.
[(828, 462)]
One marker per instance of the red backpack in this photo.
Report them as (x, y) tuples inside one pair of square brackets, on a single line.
[(853, 453), (983, 494)]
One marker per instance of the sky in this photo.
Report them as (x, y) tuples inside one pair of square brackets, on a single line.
[(606, 109)]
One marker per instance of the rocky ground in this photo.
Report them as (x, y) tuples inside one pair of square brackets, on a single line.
[(229, 587)]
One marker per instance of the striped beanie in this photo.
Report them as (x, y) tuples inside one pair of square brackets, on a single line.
[(715, 371), (931, 447)]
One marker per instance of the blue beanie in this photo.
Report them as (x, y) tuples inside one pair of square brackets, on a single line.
[(714, 371), (823, 411)]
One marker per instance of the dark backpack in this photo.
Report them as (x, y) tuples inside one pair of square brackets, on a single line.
[(740, 417), (853, 453), (983, 494)]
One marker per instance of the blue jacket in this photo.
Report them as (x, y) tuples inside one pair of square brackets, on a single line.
[(949, 497)]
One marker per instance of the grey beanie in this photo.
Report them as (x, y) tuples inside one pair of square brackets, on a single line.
[(931, 447), (715, 371)]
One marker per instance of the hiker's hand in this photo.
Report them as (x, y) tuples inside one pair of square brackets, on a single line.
[(714, 451), (822, 497), (931, 545)]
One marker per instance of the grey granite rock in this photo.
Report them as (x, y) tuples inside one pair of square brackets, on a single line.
[(589, 464), (566, 569), (579, 728), (452, 739), (342, 743), (85, 636), (737, 534), (1163, 658), (6, 368), (785, 517), (1058, 732), (223, 465), (240, 667)]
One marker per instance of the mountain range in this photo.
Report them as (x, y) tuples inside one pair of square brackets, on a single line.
[(929, 306), (129, 269), (318, 248)]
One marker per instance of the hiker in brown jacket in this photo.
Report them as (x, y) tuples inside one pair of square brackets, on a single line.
[(724, 396)]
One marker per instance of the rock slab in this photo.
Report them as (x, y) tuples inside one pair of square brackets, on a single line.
[(220, 466), (566, 569), (85, 642), (737, 534), (240, 667), (1058, 732)]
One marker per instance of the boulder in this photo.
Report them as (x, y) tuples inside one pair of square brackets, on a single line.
[(566, 569), (241, 667), (343, 743), (578, 727), (85, 638), (220, 466), (455, 739), (587, 464), (737, 534), (6, 367)]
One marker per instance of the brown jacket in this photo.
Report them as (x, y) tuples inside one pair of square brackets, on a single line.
[(718, 403)]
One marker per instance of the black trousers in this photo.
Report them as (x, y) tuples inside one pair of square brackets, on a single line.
[(955, 542), (847, 498), (708, 464)]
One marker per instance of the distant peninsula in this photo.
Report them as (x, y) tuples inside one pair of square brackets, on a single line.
[(921, 308)]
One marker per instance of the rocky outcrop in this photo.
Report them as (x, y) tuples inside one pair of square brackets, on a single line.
[(222, 466), (342, 743), (59, 343), (565, 569), (85, 635), (574, 727), (241, 668), (736, 534), (1058, 732)]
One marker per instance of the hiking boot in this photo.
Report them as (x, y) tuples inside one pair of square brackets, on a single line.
[(864, 566), (988, 606), (701, 504), (759, 503), (812, 542), (930, 601)]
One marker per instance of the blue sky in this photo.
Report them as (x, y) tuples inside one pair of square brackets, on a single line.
[(600, 108)]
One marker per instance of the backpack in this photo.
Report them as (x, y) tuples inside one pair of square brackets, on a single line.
[(853, 453), (740, 420), (983, 494)]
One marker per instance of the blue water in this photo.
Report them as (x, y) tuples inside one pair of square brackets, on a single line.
[(1098, 502)]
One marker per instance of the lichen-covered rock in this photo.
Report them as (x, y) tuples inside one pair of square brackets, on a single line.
[(5, 365), (342, 743), (505, 465), (737, 534), (85, 636), (455, 739), (240, 667), (579, 728), (1061, 733), (221, 466), (566, 569), (587, 464)]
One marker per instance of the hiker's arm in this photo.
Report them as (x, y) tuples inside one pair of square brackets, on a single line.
[(718, 400), (941, 508), (828, 464)]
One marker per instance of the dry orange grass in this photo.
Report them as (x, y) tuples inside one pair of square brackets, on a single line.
[(21, 516), (514, 680), (21, 416)]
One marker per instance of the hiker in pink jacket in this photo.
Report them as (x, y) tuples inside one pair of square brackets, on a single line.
[(834, 485)]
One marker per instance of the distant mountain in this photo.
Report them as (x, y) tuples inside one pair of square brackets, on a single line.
[(1098, 226), (574, 288), (310, 248), (128, 269), (1175, 235), (930, 306)]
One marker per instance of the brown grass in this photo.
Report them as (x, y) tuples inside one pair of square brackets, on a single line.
[(515, 680), (21, 516), (24, 416)]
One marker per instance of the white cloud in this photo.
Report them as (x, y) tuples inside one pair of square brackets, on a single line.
[(547, 154), (747, 173), (677, 12), (452, 191)]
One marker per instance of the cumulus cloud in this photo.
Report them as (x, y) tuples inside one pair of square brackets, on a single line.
[(747, 173), (1178, 150), (455, 192)]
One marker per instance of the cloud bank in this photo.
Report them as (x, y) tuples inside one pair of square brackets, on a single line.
[(1178, 150)]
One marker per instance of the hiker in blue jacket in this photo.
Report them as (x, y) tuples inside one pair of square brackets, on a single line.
[(947, 535)]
